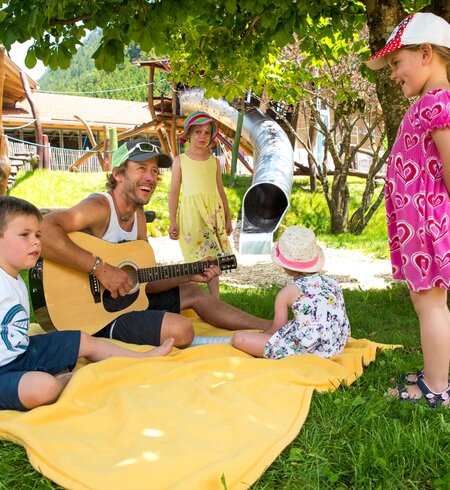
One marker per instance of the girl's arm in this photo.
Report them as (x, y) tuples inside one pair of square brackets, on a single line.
[(441, 138), (283, 302), (174, 195), (223, 196)]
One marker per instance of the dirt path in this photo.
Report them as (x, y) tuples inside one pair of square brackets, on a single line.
[(352, 269)]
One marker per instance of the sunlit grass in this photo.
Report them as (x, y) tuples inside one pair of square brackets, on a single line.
[(354, 438)]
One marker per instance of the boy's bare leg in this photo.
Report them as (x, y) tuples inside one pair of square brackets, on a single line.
[(38, 388), (96, 349)]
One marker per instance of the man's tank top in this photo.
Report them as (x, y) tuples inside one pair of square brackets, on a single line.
[(114, 233)]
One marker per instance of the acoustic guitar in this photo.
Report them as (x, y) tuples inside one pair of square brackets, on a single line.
[(67, 299)]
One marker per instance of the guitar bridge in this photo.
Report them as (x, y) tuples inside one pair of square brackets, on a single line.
[(94, 283)]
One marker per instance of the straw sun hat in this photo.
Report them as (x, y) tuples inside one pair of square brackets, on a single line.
[(297, 250)]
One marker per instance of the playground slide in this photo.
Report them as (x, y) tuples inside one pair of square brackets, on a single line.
[(267, 199)]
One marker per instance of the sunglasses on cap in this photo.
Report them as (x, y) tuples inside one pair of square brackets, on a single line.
[(140, 151)]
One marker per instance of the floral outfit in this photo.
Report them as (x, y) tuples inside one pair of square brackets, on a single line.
[(320, 325), (201, 216)]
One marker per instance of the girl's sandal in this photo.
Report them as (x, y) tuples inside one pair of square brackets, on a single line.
[(412, 377), (400, 392), (434, 399), (431, 398)]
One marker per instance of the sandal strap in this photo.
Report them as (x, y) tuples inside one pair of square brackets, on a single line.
[(433, 399)]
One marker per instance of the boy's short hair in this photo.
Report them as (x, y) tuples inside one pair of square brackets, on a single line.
[(10, 207)]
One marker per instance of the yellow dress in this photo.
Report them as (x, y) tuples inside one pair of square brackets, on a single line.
[(201, 217)]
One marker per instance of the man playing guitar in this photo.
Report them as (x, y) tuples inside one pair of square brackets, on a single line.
[(117, 216)]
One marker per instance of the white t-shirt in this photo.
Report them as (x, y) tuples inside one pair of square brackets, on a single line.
[(14, 317)]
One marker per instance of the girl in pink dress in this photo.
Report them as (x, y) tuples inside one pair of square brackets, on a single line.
[(417, 193)]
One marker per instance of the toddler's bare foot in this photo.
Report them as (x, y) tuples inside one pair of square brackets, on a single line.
[(164, 349)]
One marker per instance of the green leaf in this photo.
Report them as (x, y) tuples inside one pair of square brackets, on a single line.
[(30, 58)]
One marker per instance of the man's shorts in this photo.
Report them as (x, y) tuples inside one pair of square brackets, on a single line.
[(144, 327), (48, 353)]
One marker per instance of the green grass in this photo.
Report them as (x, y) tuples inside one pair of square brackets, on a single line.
[(354, 438)]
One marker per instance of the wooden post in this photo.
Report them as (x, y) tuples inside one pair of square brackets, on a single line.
[(107, 157), (173, 127), (151, 79), (46, 152), (91, 139), (37, 121), (5, 165), (163, 142)]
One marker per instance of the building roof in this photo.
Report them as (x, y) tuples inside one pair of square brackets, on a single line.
[(57, 110), (13, 90)]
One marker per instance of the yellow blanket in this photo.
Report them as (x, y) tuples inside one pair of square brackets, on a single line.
[(185, 421)]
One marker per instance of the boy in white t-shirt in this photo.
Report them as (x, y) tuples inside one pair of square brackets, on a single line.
[(29, 366)]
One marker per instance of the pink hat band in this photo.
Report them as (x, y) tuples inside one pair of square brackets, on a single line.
[(294, 265)]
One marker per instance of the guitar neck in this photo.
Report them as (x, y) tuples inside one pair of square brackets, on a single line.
[(158, 273)]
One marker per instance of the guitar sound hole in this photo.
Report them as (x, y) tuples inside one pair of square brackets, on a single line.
[(118, 304)]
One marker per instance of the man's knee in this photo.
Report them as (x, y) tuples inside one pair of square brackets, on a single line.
[(178, 327)]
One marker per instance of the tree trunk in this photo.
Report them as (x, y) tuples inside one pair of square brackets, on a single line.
[(312, 140), (441, 8), (382, 17), (5, 166)]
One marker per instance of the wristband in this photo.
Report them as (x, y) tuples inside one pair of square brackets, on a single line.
[(96, 265)]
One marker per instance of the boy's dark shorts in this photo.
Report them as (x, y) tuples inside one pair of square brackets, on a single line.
[(144, 327), (48, 353)]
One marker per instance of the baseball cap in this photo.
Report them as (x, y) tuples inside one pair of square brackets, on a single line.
[(139, 151), (417, 28)]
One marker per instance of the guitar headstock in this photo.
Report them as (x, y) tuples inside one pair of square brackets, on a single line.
[(227, 262)]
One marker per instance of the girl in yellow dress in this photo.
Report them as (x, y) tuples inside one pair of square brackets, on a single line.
[(202, 223)]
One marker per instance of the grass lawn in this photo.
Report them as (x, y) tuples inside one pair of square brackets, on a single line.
[(353, 438)]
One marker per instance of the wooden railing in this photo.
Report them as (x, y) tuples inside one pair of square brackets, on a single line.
[(60, 159)]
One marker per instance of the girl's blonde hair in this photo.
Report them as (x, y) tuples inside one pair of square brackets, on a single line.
[(442, 51)]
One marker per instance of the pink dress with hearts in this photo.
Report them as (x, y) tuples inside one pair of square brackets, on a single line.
[(417, 201)]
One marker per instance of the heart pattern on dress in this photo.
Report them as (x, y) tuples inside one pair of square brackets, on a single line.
[(421, 235), (410, 141), (404, 232), (437, 230), (442, 260), (391, 217), (428, 113), (439, 282), (401, 200), (419, 203), (422, 262), (434, 168), (435, 200), (407, 171)]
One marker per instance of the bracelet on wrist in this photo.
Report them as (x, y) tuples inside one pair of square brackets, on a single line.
[(96, 265)]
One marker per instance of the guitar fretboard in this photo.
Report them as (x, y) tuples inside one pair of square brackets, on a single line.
[(174, 270)]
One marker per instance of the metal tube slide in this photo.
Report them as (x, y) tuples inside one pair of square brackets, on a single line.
[(267, 199)]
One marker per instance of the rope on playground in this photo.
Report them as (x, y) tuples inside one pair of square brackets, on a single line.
[(94, 91)]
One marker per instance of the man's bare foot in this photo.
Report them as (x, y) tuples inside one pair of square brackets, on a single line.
[(164, 349)]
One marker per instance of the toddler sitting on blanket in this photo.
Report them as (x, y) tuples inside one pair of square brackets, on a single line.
[(320, 325)]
